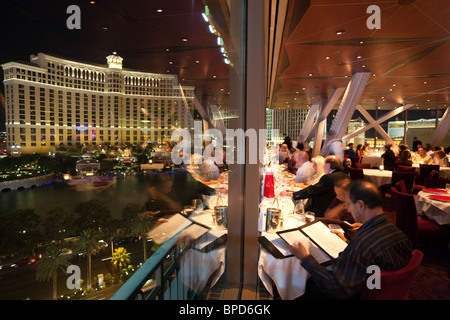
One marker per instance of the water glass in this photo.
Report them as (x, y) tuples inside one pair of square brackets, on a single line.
[(309, 216), (447, 187)]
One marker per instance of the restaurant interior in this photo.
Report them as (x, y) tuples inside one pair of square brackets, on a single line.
[(335, 59)]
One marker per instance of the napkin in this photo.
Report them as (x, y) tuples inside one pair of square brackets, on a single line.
[(434, 190), (439, 197)]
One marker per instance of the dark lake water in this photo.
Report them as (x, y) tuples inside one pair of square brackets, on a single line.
[(129, 189)]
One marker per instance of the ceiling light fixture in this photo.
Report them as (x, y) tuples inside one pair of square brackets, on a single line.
[(340, 32), (184, 39), (159, 10)]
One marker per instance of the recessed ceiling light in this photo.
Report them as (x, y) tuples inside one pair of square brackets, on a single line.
[(184, 39), (340, 32), (424, 82), (92, 2), (170, 62), (105, 28), (358, 57), (159, 10), (197, 61), (310, 74), (327, 57)]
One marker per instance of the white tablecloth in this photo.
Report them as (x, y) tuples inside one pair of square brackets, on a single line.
[(374, 160), (378, 177), (436, 210), (287, 274)]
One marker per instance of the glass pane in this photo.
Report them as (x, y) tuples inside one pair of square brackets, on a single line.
[(142, 91)]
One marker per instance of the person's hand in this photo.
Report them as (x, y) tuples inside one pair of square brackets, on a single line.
[(286, 194), (299, 250), (339, 234)]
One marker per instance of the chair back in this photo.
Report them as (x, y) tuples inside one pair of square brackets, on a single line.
[(400, 163), (436, 182), (363, 166), (355, 174), (407, 177), (356, 160), (403, 168), (395, 285), (433, 174), (401, 186), (404, 206), (425, 171)]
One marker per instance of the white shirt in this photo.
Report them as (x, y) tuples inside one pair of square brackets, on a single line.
[(305, 173)]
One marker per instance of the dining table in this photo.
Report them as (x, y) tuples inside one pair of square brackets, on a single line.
[(377, 176), (282, 271), (434, 203), (375, 160)]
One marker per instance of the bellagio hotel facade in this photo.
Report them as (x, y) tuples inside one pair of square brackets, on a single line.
[(52, 102)]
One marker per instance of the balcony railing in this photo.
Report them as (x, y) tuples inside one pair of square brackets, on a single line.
[(175, 272)]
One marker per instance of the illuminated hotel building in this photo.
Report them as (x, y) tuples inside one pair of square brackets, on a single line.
[(53, 102)]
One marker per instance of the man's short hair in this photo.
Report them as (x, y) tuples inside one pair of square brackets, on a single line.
[(334, 162), (365, 191)]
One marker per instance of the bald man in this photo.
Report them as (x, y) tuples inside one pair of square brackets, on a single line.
[(321, 194), (305, 171), (376, 243)]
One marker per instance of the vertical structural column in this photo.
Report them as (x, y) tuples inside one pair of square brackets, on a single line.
[(255, 120), (442, 129), (348, 104)]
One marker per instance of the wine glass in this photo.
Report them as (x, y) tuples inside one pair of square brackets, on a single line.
[(309, 216)]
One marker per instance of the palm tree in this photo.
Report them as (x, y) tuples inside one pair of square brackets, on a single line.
[(47, 268), (87, 245), (120, 259), (140, 226)]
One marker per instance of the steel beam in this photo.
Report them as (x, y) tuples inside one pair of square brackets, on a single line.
[(348, 105), (372, 123), (442, 129)]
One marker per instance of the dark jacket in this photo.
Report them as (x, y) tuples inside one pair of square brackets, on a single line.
[(321, 194)]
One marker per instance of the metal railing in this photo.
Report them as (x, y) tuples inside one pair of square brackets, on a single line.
[(175, 271), (157, 278)]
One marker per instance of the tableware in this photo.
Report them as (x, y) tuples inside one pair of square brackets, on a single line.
[(273, 219), (309, 216), (220, 217), (447, 187)]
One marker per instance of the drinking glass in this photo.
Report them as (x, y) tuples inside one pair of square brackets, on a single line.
[(447, 187), (309, 216)]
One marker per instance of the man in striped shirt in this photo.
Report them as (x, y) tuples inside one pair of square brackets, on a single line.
[(377, 242)]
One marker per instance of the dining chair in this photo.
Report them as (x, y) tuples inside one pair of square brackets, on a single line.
[(416, 227), (395, 285), (363, 166), (432, 181), (403, 168), (355, 173), (436, 182), (406, 177), (403, 164), (355, 160), (401, 186), (425, 171)]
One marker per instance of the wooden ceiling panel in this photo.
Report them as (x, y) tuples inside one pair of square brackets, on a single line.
[(410, 48)]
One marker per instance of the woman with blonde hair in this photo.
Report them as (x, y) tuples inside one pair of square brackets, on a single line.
[(318, 163)]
